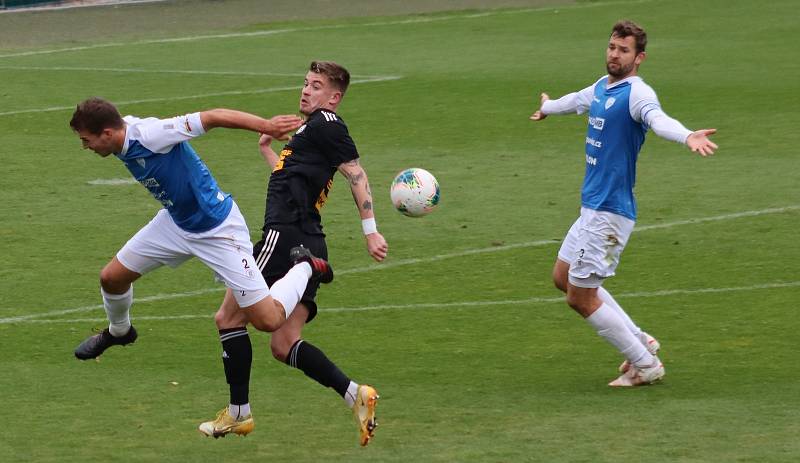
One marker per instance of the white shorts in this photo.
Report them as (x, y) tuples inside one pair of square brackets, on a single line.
[(225, 249), (593, 245)]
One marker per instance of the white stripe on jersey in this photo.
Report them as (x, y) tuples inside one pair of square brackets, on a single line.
[(266, 252), (330, 117)]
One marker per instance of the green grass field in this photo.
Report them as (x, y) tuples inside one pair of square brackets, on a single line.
[(475, 354)]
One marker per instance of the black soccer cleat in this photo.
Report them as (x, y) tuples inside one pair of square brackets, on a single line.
[(321, 270), (95, 345)]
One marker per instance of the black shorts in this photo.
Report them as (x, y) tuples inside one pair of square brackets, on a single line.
[(272, 257)]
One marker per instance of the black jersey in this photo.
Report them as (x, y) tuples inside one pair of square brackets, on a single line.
[(303, 176)]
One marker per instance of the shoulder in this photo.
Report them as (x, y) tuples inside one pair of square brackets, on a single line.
[(327, 122), (640, 90)]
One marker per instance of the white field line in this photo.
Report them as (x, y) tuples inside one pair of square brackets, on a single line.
[(160, 297), (192, 97), (530, 244), (167, 71), (462, 304), (316, 28)]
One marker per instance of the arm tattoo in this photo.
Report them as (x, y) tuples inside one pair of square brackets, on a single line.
[(367, 205)]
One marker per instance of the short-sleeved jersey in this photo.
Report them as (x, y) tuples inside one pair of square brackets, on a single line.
[(303, 176), (613, 141), (157, 153)]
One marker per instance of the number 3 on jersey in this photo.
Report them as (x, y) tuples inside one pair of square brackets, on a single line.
[(279, 165)]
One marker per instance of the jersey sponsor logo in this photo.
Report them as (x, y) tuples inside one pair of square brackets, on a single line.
[(591, 160), (330, 117), (592, 142), (284, 153), (597, 122), (610, 102), (300, 130), (150, 183), (188, 126)]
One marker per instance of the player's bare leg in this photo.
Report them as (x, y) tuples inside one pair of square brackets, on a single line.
[(116, 288)]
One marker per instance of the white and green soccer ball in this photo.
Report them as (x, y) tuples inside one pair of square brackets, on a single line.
[(415, 192)]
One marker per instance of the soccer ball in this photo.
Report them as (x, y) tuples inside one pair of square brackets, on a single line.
[(415, 192)]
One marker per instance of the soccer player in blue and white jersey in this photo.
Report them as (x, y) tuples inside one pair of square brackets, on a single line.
[(198, 218), (621, 109)]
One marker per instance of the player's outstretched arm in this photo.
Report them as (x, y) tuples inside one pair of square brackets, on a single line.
[(264, 145), (362, 195), (539, 115), (278, 127), (699, 142)]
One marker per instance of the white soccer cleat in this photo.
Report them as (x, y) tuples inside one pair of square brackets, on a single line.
[(640, 376), (652, 345)]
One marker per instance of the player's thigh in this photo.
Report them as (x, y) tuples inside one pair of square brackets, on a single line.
[(272, 257), (158, 243), (567, 251), (227, 251), (602, 236)]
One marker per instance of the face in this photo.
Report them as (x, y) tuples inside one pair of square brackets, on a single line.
[(318, 92), (102, 144), (622, 60)]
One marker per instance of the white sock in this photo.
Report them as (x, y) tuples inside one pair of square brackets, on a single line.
[(289, 289), (610, 326), (606, 297), (239, 411), (118, 311), (351, 394)]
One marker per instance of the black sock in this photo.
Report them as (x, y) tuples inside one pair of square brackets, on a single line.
[(237, 356), (316, 366)]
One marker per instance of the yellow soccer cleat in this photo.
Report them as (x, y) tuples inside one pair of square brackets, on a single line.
[(364, 412), (225, 424)]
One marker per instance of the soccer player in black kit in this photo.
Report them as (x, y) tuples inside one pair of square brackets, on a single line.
[(302, 176)]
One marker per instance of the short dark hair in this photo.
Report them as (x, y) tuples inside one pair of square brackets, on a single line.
[(95, 115), (338, 75), (625, 28)]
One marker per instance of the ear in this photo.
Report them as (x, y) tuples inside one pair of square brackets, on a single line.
[(335, 99), (639, 58)]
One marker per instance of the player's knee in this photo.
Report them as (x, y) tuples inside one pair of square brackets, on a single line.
[(559, 282), (267, 320), (226, 319), (279, 351), (110, 282)]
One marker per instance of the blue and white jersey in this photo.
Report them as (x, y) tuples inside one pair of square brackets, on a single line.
[(619, 116), (613, 141), (157, 153)]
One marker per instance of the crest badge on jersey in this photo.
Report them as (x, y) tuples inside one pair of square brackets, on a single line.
[(610, 102), (140, 161)]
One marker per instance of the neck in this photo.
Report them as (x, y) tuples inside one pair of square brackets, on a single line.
[(118, 138)]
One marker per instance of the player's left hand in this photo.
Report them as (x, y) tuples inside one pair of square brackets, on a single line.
[(376, 246), (699, 143)]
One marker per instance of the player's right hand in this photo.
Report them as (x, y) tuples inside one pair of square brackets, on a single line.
[(279, 127), (539, 115)]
